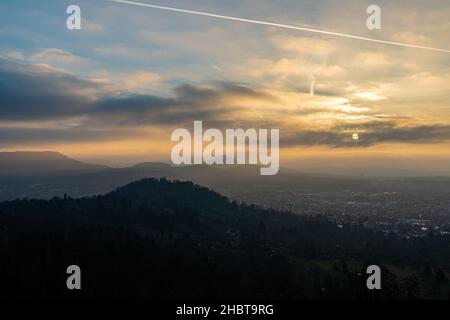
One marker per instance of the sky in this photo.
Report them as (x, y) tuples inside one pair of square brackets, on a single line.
[(114, 91)]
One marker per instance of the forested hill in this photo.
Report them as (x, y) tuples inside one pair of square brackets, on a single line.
[(158, 239)]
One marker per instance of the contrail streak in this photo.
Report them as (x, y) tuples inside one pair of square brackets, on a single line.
[(279, 25)]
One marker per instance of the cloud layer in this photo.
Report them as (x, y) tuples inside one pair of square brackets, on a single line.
[(40, 104)]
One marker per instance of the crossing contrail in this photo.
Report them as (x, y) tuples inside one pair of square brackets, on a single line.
[(279, 25)]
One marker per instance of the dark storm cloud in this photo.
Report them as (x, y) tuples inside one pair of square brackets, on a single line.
[(37, 92), (189, 103), (30, 92), (417, 134), (141, 110), (373, 134), (224, 89)]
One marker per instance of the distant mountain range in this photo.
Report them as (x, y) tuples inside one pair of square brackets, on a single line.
[(48, 174), (41, 162)]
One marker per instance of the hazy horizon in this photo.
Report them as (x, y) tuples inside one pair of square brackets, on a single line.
[(362, 167)]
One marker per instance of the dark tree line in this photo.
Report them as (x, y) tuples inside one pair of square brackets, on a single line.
[(156, 239)]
